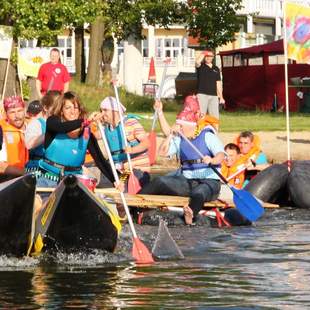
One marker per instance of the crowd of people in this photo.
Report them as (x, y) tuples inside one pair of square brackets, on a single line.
[(54, 137)]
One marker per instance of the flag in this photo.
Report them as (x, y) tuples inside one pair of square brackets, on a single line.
[(30, 60), (297, 25), (152, 73), (6, 39)]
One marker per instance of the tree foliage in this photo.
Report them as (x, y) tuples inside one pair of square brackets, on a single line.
[(44, 19), (213, 22)]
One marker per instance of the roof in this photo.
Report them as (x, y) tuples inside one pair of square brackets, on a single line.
[(275, 47)]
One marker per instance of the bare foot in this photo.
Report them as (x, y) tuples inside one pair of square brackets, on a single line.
[(188, 215)]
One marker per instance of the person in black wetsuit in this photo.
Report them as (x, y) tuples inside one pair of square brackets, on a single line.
[(67, 139)]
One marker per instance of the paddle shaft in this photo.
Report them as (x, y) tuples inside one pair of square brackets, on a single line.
[(106, 145), (159, 93), (122, 126)]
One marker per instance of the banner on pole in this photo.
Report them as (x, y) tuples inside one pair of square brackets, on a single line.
[(298, 32), (30, 60), (6, 39)]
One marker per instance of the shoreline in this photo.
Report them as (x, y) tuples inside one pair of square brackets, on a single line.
[(273, 144)]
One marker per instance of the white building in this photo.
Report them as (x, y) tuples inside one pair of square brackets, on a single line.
[(261, 22)]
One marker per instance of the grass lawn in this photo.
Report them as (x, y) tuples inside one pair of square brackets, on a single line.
[(229, 122), (253, 121)]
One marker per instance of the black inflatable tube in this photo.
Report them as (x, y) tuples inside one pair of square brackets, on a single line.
[(270, 185), (299, 184)]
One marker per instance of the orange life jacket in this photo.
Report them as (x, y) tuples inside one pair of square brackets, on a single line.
[(17, 153), (237, 180), (254, 151)]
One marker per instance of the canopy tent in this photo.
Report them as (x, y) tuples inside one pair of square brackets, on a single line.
[(253, 77)]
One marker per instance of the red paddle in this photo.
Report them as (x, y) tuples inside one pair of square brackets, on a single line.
[(139, 251), (133, 182), (152, 135)]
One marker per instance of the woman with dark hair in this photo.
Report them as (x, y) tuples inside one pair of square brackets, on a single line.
[(67, 139)]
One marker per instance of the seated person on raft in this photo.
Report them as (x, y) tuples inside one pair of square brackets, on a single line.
[(190, 105), (67, 138), (13, 154), (233, 168), (196, 180), (35, 131), (251, 154), (136, 136)]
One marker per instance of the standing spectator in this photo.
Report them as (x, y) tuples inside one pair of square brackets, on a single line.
[(209, 91), (53, 75)]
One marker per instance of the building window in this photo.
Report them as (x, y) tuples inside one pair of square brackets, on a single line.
[(145, 48), (171, 47), (256, 61), (264, 26), (27, 43), (227, 61)]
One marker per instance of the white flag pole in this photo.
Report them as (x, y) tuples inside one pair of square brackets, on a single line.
[(286, 88), (6, 74)]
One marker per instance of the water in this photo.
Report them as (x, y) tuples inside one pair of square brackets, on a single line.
[(266, 266)]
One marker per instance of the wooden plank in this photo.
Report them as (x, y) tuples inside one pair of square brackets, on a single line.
[(158, 200)]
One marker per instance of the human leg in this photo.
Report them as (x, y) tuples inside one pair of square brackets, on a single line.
[(203, 191), (167, 185), (213, 106), (203, 103)]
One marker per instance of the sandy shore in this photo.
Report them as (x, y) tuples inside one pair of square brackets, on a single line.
[(273, 145)]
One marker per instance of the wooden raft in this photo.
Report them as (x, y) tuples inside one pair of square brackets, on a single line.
[(145, 201), (151, 201)]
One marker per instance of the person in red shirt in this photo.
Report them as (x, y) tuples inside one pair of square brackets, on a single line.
[(52, 75)]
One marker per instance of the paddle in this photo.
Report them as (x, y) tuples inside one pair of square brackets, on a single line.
[(133, 182), (152, 134), (139, 251), (245, 202)]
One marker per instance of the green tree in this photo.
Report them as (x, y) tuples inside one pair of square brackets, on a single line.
[(213, 22), (124, 18)]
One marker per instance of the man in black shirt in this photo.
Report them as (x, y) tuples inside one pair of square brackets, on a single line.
[(209, 92)]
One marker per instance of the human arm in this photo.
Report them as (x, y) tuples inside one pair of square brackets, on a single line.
[(38, 88), (99, 159), (135, 131), (34, 135), (165, 127), (66, 78), (66, 87), (219, 90), (216, 147), (198, 59), (6, 169), (54, 126)]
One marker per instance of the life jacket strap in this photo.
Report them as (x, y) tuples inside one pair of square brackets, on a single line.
[(62, 167), (192, 161)]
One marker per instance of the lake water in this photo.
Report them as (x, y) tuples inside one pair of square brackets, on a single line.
[(266, 266)]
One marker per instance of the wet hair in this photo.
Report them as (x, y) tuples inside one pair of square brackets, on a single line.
[(232, 146), (247, 134), (49, 99), (60, 102)]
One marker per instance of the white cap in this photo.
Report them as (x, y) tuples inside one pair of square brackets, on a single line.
[(110, 103)]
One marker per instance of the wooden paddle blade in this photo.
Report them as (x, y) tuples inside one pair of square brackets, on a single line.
[(152, 148), (247, 204), (133, 184), (141, 253)]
